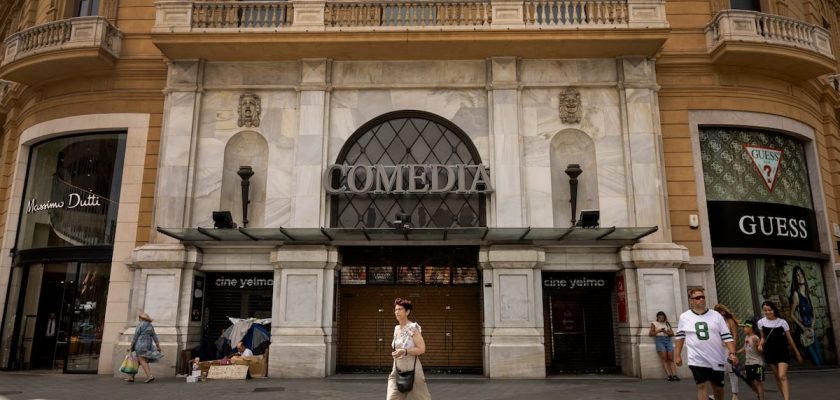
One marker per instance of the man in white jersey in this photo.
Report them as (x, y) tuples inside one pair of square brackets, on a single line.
[(705, 333)]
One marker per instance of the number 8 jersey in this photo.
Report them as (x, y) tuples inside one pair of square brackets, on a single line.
[(704, 335)]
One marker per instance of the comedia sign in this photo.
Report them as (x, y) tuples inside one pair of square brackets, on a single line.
[(407, 179)]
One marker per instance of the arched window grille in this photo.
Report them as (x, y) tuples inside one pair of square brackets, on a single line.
[(408, 137)]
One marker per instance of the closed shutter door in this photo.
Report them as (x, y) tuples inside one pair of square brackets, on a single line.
[(366, 328), (234, 302), (450, 316)]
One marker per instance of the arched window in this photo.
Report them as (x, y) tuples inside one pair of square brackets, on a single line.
[(408, 137)]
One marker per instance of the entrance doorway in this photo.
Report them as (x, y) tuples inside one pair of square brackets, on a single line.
[(237, 295), (442, 284), (63, 316), (579, 327)]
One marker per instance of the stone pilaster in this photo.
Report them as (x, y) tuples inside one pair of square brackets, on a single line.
[(643, 146), (303, 336), (653, 280), (513, 322), (309, 144), (162, 287), (177, 147), (503, 86)]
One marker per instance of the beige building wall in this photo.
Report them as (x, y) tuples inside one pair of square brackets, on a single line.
[(777, 100), (126, 96)]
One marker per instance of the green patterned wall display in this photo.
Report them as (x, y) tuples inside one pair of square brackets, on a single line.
[(730, 174)]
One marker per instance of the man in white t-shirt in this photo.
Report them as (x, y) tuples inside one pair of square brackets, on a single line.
[(242, 351), (704, 332)]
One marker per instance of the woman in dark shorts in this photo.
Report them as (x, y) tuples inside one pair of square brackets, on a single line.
[(775, 341)]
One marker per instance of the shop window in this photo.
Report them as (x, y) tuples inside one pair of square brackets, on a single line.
[(795, 286), (408, 138), (72, 192), (758, 191), (572, 146)]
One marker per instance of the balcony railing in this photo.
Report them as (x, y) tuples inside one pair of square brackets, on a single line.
[(74, 33), (755, 27), (407, 14), (180, 16), (576, 12)]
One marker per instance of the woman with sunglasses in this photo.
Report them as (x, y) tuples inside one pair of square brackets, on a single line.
[(775, 340)]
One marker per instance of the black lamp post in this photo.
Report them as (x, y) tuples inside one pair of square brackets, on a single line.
[(245, 173), (573, 170)]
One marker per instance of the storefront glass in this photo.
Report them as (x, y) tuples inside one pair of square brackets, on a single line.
[(760, 212), (57, 297), (72, 192), (795, 286)]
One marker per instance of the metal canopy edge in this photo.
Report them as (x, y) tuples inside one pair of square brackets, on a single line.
[(475, 235)]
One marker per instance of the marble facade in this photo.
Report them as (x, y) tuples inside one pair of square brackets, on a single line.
[(508, 107)]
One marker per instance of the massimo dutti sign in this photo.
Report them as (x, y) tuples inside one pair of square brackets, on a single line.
[(762, 225), (407, 179)]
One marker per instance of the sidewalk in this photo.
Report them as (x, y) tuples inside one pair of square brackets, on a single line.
[(814, 385)]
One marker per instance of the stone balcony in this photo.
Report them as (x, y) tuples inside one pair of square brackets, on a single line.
[(399, 29), (757, 40), (47, 51)]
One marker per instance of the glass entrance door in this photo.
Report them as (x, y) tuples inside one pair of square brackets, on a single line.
[(65, 315)]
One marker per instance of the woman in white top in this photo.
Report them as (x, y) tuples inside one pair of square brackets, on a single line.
[(775, 341), (661, 331), (408, 344)]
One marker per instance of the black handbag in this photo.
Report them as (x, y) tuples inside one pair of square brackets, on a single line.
[(405, 379)]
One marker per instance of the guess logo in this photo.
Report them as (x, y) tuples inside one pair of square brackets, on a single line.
[(767, 162)]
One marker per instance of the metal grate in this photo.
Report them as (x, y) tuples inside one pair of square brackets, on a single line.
[(408, 137)]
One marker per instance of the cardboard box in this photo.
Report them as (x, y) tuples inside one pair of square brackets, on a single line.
[(257, 365)]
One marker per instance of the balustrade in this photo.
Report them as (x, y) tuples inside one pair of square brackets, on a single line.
[(47, 35), (409, 13), (751, 26), (576, 12), (250, 14)]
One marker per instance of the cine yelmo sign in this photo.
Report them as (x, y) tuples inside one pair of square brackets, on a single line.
[(407, 179)]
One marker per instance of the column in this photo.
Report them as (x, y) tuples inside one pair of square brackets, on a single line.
[(177, 147), (513, 315), (162, 287), (654, 282), (308, 200), (303, 332), (643, 147), (507, 202)]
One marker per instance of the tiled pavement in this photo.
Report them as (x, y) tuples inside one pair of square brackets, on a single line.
[(812, 385)]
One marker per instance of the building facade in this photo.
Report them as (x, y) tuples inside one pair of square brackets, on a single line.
[(539, 178)]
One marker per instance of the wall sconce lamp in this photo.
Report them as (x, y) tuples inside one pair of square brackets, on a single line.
[(589, 219), (223, 220), (245, 173), (573, 170)]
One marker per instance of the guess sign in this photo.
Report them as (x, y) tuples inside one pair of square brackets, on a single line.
[(764, 225)]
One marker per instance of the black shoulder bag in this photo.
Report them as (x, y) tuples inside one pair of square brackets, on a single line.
[(405, 379)]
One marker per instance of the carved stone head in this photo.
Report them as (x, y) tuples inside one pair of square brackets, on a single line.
[(249, 110), (570, 106)]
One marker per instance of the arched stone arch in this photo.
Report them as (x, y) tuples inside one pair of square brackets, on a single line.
[(245, 148), (408, 137), (571, 146)]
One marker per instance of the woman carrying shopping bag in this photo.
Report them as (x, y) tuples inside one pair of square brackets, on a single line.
[(146, 346)]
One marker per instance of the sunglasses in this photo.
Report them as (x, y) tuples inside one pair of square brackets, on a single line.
[(699, 298)]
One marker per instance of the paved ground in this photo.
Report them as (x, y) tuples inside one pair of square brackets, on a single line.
[(812, 385)]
